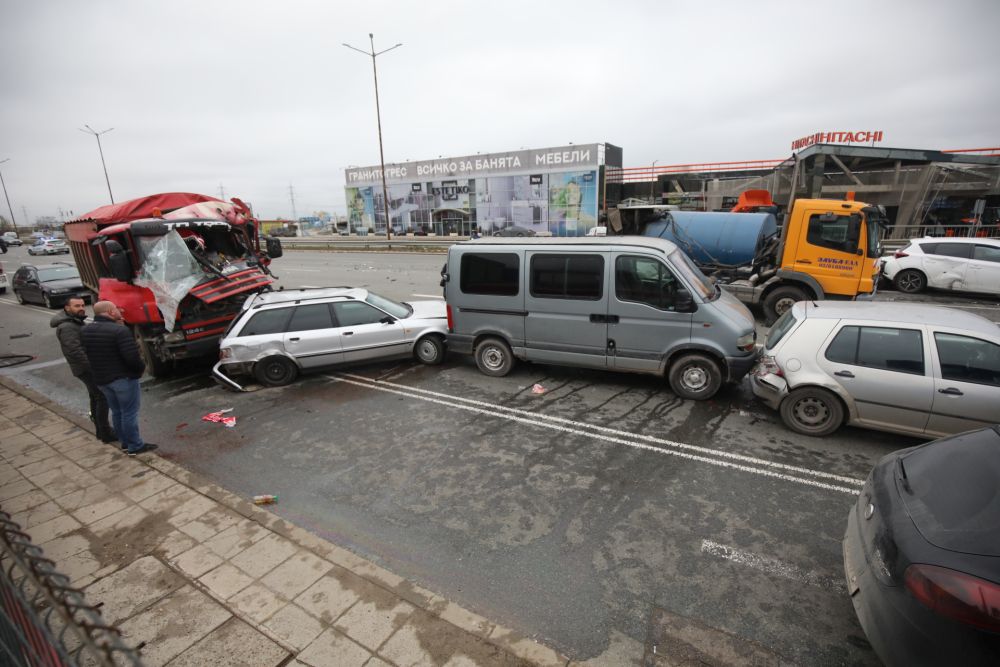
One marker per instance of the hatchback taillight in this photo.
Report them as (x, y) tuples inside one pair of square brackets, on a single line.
[(451, 322), (959, 596), (900, 254), (768, 364)]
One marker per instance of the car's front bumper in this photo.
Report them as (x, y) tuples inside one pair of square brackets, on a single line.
[(224, 378), (769, 388)]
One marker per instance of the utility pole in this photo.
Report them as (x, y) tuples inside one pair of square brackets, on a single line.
[(9, 208), (97, 135), (378, 116), (652, 186), (222, 192), (291, 195)]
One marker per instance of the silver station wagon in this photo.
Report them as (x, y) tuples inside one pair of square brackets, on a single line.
[(906, 368), (279, 334)]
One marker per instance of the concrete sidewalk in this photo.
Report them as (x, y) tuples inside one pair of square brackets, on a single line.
[(199, 576)]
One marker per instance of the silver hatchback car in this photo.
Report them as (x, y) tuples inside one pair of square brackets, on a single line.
[(905, 368), (279, 334)]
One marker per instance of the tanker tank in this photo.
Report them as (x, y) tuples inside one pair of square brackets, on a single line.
[(716, 239)]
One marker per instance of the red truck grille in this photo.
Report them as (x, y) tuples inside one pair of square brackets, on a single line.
[(235, 283)]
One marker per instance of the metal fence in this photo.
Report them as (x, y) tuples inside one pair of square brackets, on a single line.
[(45, 622)]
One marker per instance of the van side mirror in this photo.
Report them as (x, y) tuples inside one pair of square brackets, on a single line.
[(684, 302), (273, 246)]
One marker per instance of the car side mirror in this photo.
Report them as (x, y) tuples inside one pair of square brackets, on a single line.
[(683, 301), (121, 267), (273, 246), (388, 319)]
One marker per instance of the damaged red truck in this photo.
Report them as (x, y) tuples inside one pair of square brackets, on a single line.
[(178, 265)]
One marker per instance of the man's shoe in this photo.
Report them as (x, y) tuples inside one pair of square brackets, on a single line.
[(148, 447), (113, 437)]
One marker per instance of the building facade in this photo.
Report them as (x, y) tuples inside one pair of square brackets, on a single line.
[(554, 190)]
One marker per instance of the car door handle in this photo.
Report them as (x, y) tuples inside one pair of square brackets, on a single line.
[(951, 391), (293, 339), (348, 333), (845, 374)]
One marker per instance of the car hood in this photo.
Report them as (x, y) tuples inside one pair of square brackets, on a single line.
[(735, 311), (428, 309), (65, 283)]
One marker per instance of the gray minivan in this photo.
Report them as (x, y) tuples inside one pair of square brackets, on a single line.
[(633, 304)]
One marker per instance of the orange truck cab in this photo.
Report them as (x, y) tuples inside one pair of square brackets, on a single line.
[(178, 265)]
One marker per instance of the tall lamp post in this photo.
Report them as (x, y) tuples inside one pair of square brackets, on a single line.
[(97, 135), (378, 116), (12, 221), (652, 186)]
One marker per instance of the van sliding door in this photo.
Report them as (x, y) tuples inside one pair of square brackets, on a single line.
[(567, 308)]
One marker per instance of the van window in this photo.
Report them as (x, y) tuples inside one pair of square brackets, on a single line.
[(645, 280), (490, 273), (311, 317), (353, 313), (567, 276), (267, 322), (900, 350), (966, 359), (833, 231)]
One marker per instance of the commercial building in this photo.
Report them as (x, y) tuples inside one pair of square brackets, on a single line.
[(558, 190)]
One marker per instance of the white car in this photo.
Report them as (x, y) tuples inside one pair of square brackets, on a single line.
[(49, 247), (961, 264), (908, 368), (279, 334)]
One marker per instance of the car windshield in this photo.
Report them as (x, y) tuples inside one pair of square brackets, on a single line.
[(60, 273), (693, 275), (397, 310), (780, 328)]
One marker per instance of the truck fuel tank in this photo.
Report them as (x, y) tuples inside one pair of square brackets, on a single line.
[(716, 239)]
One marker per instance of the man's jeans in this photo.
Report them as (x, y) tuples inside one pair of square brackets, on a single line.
[(98, 408), (123, 398)]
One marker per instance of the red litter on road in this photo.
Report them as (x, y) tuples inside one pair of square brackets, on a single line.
[(219, 417)]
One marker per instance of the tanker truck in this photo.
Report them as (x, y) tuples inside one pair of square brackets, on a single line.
[(825, 249)]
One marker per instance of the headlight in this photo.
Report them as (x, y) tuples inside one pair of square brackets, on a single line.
[(175, 337), (225, 353), (747, 341)]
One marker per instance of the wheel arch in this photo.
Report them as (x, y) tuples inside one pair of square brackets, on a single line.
[(694, 348)]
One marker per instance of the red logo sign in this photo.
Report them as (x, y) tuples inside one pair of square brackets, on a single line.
[(861, 137)]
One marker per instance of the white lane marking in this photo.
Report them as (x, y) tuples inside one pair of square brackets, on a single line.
[(715, 458), (428, 296), (772, 566), (26, 306), (308, 287), (617, 432), (34, 367), (292, 268)]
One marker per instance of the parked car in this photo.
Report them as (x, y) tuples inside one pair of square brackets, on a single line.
[(905, 368), (11, 239), (961, 264), (515, 230), (922, 553), (279, 334), (625, 303), (51, 284), (49, 247)]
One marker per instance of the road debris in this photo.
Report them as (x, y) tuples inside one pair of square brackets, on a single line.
[(219, 417)]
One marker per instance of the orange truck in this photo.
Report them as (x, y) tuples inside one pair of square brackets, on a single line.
[(178, 265)]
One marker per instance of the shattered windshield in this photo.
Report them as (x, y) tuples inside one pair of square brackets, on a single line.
[(169, 272)]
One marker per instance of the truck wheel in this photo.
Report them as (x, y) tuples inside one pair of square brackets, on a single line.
[(695, 376), (781, 299), (155, 366), (910, 281), (275, 371), (493, 357), (812, 411), (429, 350)]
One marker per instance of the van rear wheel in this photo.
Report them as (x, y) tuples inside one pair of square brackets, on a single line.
[(275, 371), (812, 411), (695, 376), (493, 357)]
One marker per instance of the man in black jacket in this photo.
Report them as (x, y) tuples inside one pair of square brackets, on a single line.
[(69, 325), (116, 367)]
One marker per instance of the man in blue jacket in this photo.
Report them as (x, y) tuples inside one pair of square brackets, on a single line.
[(116, 366)]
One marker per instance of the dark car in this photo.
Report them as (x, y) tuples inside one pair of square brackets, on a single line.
[(50, 284), (922, 553), (514, 230)]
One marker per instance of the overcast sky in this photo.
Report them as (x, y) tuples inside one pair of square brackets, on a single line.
[(256, 96)]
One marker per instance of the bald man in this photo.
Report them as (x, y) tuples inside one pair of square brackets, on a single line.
[(116, 366)]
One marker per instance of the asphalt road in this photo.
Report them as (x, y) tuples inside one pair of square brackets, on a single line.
[(582, 516)]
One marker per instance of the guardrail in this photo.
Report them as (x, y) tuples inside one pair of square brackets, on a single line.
[(375, 243), (45, 621)]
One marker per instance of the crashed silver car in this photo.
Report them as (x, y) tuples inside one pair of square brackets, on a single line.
[(280, 334)]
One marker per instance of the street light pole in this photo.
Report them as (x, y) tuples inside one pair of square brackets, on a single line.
[(97, 135), (378, 116), (9, 208), (652, 186)]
